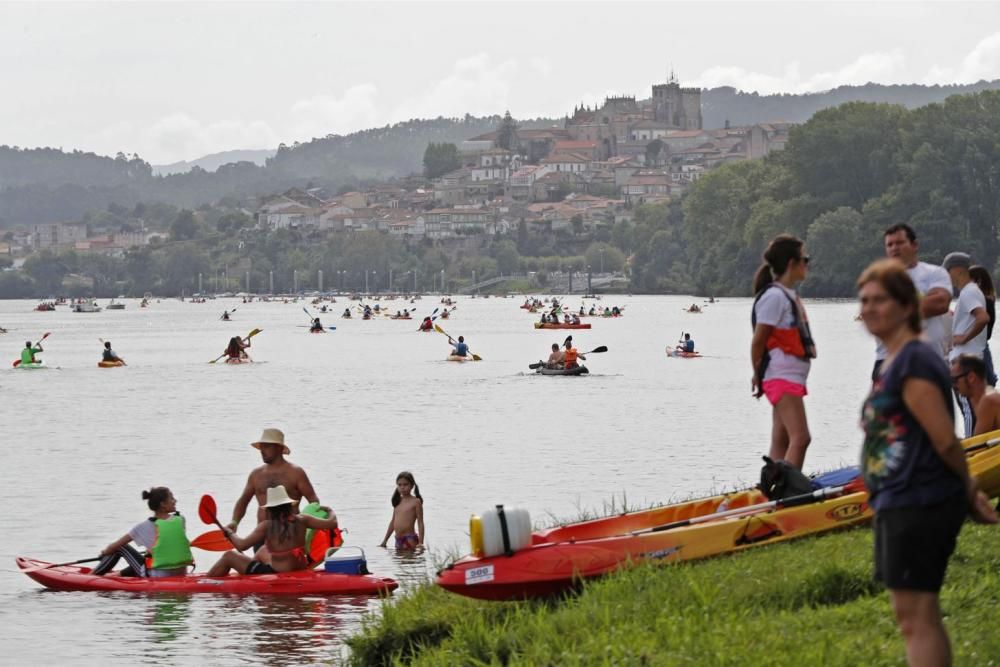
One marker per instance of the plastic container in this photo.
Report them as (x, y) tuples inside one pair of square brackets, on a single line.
[(486, 531), (345, 560)]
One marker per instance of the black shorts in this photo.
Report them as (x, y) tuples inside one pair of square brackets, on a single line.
[(256, 567), (913, 544)]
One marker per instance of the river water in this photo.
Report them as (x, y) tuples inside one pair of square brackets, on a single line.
[(357, 406)]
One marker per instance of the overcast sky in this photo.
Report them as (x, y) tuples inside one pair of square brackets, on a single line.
[(174, 81)]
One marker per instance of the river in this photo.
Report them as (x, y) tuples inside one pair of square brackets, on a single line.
[(358, 406)]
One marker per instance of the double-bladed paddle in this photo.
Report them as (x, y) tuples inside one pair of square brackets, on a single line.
[(313, 319), (475, 357), (207, 512), (72, 562), (597, 350), (17, 362)]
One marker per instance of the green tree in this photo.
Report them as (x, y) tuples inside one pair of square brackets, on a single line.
[(507, 256), (653, 149), (601, 256), (841, 244), (507, 134), (184, 226), (576, 222), (440, 158), (47, 270)]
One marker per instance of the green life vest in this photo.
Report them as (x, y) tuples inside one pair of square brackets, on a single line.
[(172, 549), (312, 509), (28, 355)]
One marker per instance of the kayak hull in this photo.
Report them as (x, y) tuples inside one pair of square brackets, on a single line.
[(455, 357), (317, 331), (560, 558), (579, 370), (236, 362), (549, 325), (38, 365), (110, 364), (678, 354), (301, 582)]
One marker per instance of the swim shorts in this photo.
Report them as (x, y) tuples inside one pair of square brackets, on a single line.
[(408, 541), (775, 389), (256, 567)]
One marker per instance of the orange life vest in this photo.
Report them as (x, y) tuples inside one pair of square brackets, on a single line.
[(570, 357)]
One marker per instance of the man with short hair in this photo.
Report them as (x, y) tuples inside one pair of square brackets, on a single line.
[(969, 327), (968, 377), (276, 471), (932, 283)]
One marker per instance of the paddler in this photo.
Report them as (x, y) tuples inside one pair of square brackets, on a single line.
[(108, 354), (237, 348), (347, 314), (316, 325), (427, 324), (460, 349), (555, 358), (163, 534), (686, 344), (225, 316), (29, 352), (275, 471), (570, 355)]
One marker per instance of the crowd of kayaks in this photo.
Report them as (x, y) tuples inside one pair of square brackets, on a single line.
[(514, 563)]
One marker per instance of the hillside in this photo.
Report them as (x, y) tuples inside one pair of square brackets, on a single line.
[(214, 161)]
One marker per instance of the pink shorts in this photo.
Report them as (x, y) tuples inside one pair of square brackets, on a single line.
[(775, 389)]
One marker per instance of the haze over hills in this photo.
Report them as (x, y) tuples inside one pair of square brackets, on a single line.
[(215, 160), (50, 185)]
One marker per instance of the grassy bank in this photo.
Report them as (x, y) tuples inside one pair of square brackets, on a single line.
[(810, 602)]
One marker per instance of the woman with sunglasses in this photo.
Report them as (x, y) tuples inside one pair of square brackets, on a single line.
[(913, 465), (782, 346)]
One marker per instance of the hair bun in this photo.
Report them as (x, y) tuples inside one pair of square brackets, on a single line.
[(145, 495)]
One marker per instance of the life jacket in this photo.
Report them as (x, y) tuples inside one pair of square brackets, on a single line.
[(108, 355), (28, 355), (570, 357), (795, 340), (172, 548), (318, 541)]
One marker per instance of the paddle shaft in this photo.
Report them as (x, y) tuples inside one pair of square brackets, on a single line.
[(72, 562)]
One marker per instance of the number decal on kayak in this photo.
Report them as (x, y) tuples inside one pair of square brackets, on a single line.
[(479, 575), (847, 512)]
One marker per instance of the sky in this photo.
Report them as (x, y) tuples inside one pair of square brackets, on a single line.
[(174, 80)]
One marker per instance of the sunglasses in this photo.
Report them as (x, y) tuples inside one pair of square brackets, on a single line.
[(956, 378), (805, 259)]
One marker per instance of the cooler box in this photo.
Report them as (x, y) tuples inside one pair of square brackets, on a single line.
[(345, 560)]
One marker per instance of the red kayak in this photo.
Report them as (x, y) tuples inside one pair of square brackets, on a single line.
[(300, 582), (550, 325)]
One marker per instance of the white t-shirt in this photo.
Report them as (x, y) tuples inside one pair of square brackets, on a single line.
[(970, 298), (144, 534), (937, 329), (774, 309)]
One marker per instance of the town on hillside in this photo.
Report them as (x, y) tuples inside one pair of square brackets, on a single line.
[(589, 174)]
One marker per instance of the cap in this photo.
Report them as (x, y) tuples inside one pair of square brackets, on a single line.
[(956, 259)]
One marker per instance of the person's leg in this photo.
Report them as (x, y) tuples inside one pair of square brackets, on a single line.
[(231, 560), (791, 412), (779, 437), (919, 617)]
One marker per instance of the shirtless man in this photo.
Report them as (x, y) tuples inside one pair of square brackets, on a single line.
[(556, 358), (968, 376), (276, 471)]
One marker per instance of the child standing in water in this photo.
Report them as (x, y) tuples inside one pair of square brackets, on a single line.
[(408, 511)]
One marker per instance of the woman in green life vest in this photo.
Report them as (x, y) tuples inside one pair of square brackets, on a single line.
[(29, 352), (163, 535)]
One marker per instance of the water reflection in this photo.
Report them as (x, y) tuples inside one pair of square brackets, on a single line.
[(167, 618)]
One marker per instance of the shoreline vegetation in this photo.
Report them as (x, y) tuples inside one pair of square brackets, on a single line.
[(808, 602)]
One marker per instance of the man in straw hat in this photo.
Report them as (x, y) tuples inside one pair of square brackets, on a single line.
[(276, 471)]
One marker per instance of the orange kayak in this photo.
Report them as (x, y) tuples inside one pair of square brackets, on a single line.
[(557, 559), (550, 325), (110, 364)]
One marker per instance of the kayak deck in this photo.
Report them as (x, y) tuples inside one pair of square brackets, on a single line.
[(300, 582), (579, 370), (550, 325)]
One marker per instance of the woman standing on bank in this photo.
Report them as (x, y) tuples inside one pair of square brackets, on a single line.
[(782, 346), (913, 465)]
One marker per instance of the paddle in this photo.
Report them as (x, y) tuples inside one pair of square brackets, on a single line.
[(475, 357), (213, 540), (17, 362), (311, 318), (792, 501), (207, 512), (249, 336), (225, 317), (72, 562)]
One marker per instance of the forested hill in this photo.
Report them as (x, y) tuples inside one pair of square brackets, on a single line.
[(51, 185), (741, 108)]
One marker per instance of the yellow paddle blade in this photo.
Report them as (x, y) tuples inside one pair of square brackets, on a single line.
[(254, 333), (476, 357), (439, 330)]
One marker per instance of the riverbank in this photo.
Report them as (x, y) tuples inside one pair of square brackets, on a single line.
[(810, 602)]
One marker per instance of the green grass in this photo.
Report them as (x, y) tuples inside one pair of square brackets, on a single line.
[(810, 602)]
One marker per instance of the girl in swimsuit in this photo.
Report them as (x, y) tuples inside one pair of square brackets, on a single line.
[(407, 512), (283, 533)]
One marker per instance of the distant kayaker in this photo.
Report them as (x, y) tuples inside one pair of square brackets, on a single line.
[(593, 311), (283, 532), (570, 355), (347, 314), (427, 324), (237, 348), (225, 315), (555, 358), (407, 520), (460, 349), (29, 352), (108, 354), (616, 311), (316, 325), (686, 344), (163, 534), (968, 378), (445, 314), (275, 471)]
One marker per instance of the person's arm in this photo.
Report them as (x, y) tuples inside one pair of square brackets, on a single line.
[(256, 536), (240, 508), (388, 531), (982, 318), (926, 403), (986, 415), (317, 523), (421, 531), (305, 487), (581, 356), (935, 302), (758, 346), (116, 545)]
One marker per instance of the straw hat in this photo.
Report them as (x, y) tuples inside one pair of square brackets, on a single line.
[(272, 436), (276, 495)]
